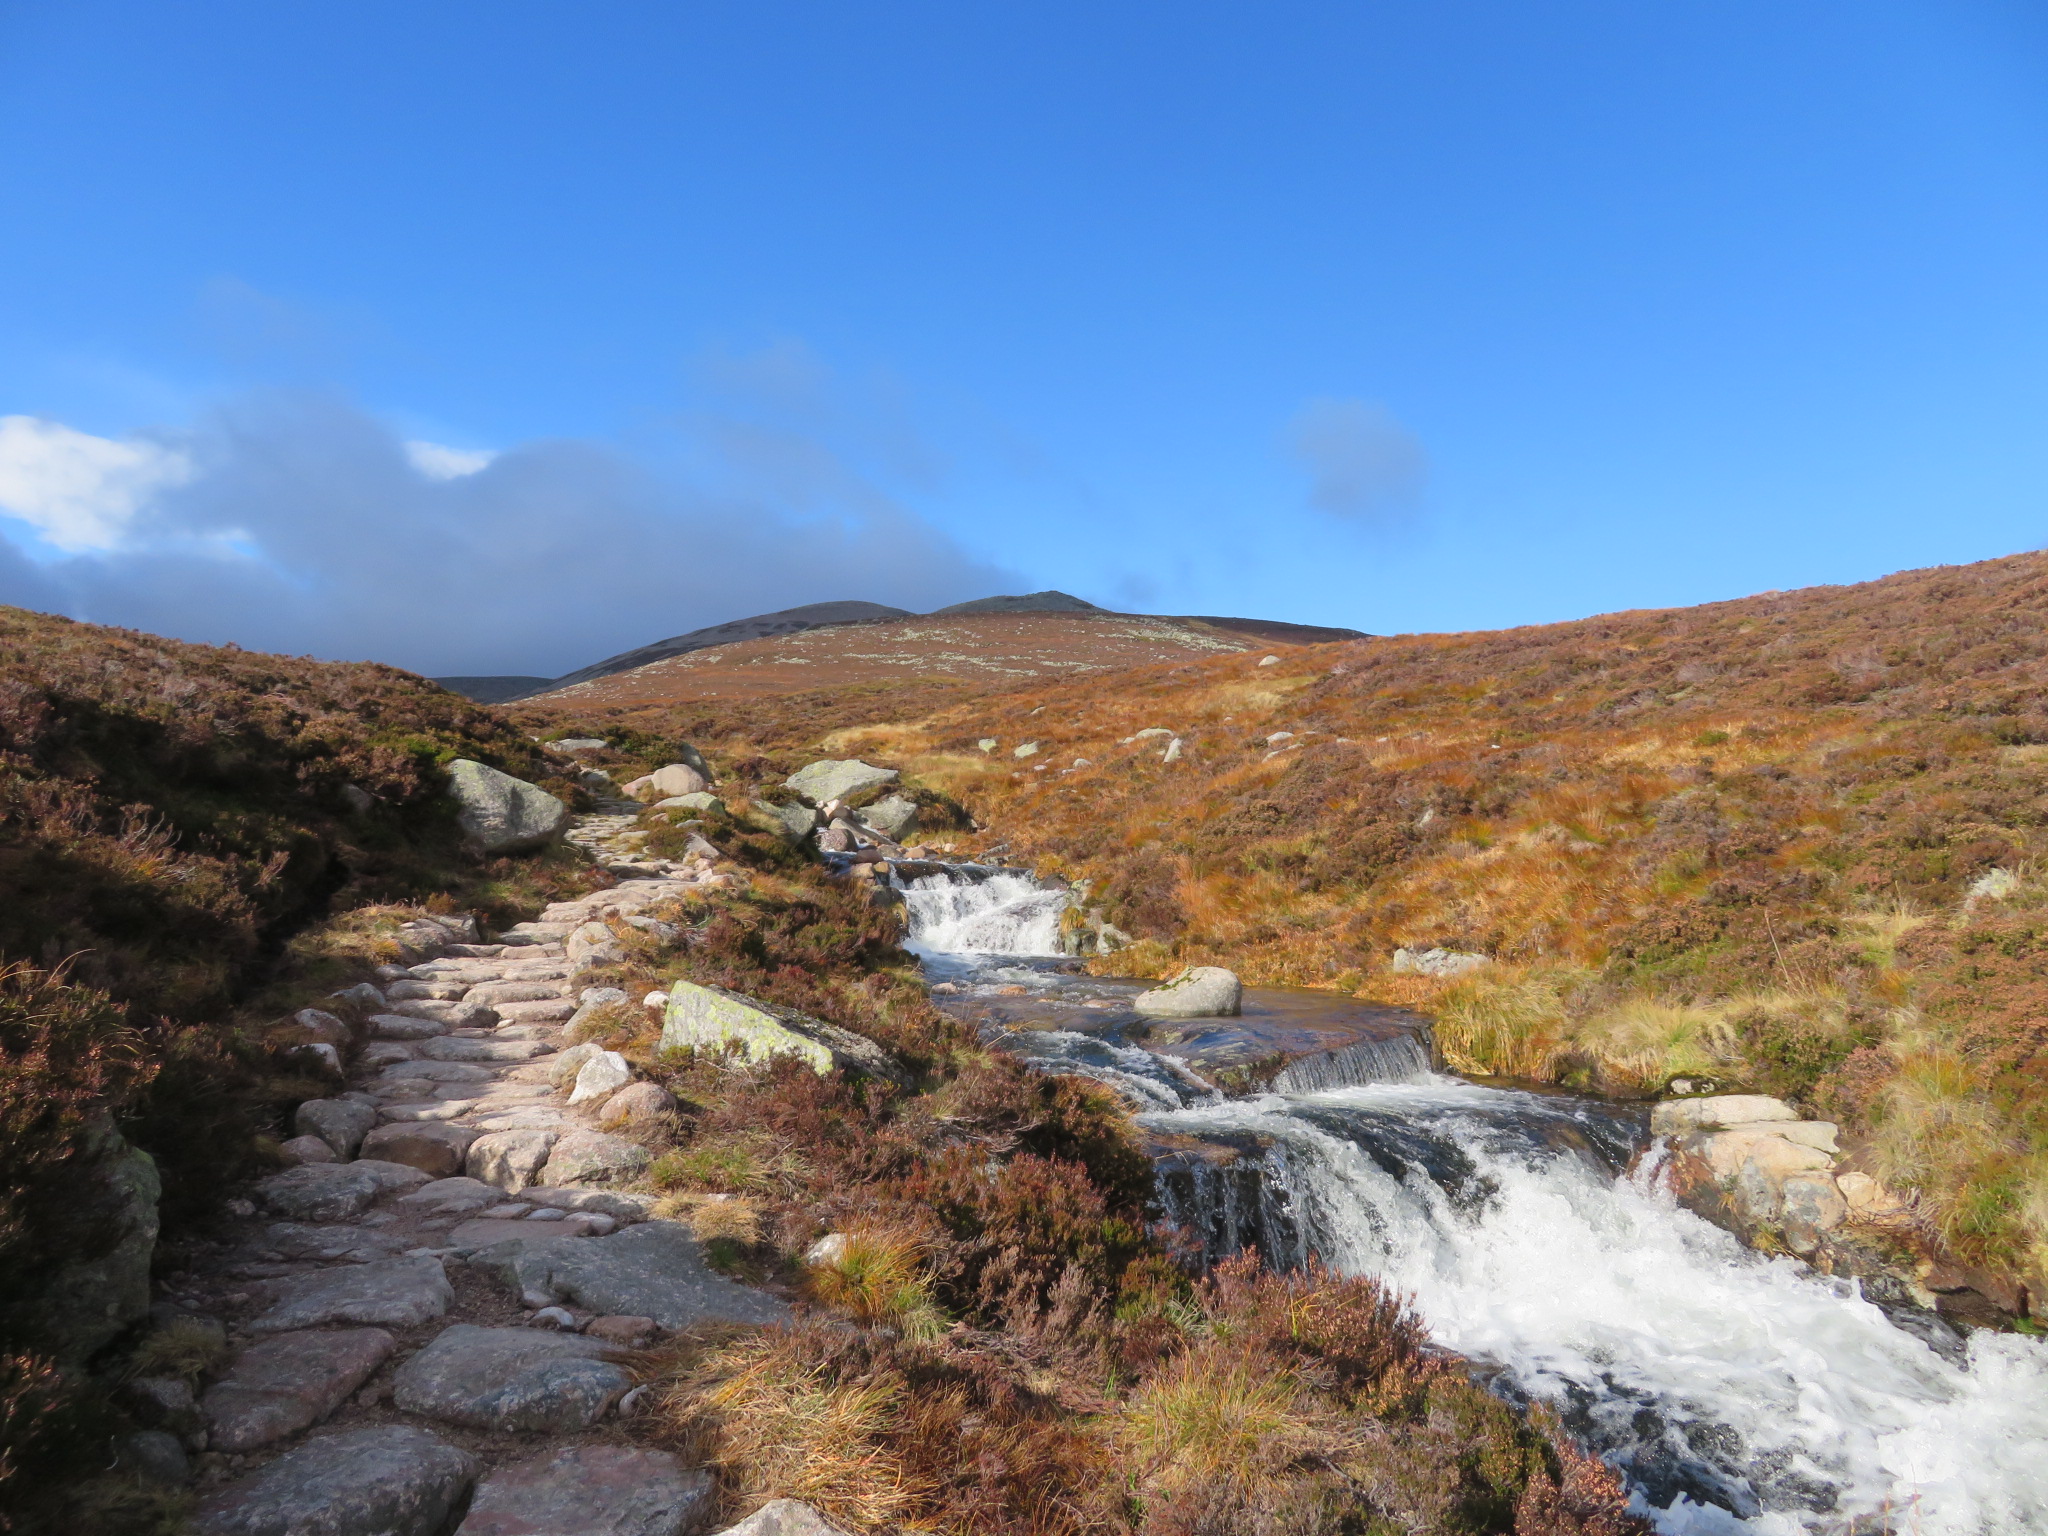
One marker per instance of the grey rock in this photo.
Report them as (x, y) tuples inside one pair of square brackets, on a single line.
[(515, 991), (320, 1192), (281, 1385), (154, 1456), (601, 1076), (1201, 992), (414, 991), (163, 1402), (307, 1149), (678, 779), (589, 1003), (894, 816), (459, 1194), (362, 997), (711, 1018), (784, 1517), (437, 1150), (510, 1160), (382, 1053), (464, 1048), (341, 1123), (592, 1490), (329, 1240), (1811, 1206), (87, 1304), (511, 1379), (593, 1157), (700, 801), (501, 814), (1441, 963), (637, 1104), (437, 1072), (837, 779), (389, 1480), (655, 1269), (566, 1064), (593, 944), (403, 1026), (459, 1014), (390, 1293), (317, 1027), (608, 1202)]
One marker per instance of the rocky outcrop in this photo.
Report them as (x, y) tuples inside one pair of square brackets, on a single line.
[(1440, 963), (711, 1018), (1751, 1159), (501, 814), (90, 1302), (1200, 992)]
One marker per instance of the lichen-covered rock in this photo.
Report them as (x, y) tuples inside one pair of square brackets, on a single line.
[(1200, 992), (389, 1480), (90, 1302), (678, 779), (501, 814), (711, 1018), (837, 779)]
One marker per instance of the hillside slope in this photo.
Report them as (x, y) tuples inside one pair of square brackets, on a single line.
[(1786, 843)]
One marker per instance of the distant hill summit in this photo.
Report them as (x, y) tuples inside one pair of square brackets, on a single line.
[(791, 621), (784, 621), (1032, 602), (494, 690)]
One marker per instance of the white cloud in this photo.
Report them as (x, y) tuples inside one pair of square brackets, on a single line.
[(78, 491), (1362, 463), (437, 461)]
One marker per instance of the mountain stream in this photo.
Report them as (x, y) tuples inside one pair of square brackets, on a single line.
[(1736, 1392)]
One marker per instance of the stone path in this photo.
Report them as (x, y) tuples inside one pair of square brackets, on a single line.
[(429, 1319)]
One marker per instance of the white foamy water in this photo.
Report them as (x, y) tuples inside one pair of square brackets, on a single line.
[(1004, 914), (1717, 1379)]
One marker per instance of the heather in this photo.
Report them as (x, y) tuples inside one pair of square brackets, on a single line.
[(1786, 843)]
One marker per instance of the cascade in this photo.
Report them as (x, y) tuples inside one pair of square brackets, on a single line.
[(1001, 913), (1737, 1392)]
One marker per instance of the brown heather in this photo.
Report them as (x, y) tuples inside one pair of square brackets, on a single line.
[(1736, 841), (173, 840)]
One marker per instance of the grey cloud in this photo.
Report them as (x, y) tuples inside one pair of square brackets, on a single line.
[(309, 531), (1363, 465)]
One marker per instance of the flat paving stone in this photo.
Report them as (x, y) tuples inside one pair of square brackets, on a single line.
[(279, 1386), (511, 1379), (456, 1015), (327, 1240), (591, 1490), (655, 1269), (390, 1480), (483, 1231), (341, 1123), (390, 1293), (403, 1026), (462, 1048), (320, 1191)]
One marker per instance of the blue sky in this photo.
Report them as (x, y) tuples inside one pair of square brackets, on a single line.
[(1407, 316)]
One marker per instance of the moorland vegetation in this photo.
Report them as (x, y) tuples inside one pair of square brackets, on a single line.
[(1792, 843)]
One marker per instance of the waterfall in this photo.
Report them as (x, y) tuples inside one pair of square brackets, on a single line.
[(1000, 913), (1737, 1392), (1396, 1060)]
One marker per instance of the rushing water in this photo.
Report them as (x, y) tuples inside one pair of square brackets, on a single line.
[(1737, 1392)]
